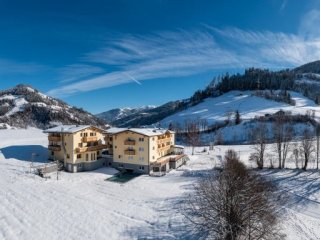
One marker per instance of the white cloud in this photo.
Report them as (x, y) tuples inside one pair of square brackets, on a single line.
[(309, 26), (76, 72), (186, 53)]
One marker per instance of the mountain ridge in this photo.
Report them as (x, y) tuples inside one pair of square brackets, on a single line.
[(23, 106), (295, 79)]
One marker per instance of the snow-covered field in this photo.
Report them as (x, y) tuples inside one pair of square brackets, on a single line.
[(248, 105), (85, 206)]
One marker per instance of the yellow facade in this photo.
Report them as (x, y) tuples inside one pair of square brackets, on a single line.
[(82, 146), (130, 147)]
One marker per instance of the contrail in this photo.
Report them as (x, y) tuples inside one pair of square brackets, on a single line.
[(133, 79)]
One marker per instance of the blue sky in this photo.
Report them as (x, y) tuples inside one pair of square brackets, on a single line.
[(101, 55)]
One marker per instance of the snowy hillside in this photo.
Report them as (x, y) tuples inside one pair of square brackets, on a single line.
[(23, 106), (248, 105), (34, 208)]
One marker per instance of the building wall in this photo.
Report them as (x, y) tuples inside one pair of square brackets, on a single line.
[(151, 151), (85, 160), (109, 142), (77, 142), (168, 141), (140, 147)]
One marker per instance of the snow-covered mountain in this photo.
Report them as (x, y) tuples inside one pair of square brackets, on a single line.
[(249, 106), (119, 113), (24, 106), (303, 80)]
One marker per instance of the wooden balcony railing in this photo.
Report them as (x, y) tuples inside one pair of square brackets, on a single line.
[(129, 142), (90, 148), (129, 152), (90, 139), (163, 139), (54, 138), (54, 148)]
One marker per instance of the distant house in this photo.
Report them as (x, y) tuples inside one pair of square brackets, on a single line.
[(78, 147), (143, 150)]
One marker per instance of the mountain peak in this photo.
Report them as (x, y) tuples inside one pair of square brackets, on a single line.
[(23, 106)]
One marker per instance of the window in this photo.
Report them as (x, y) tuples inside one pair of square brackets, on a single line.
[(119, 156), (68, 156), (141, 149), (153, 139), (130, 158), (80, 144), (152, 148), (141, 139), (115, 146), (141, 158), (121, 165), (141, 167), (152, 157), (110, 139), (79, 165), (52, 153), (78, 156)]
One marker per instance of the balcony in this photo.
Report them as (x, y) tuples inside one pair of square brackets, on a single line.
[(91, 148), (163, 139), (54, 148), (164, 145), (90, 139), (129, 142), (130, 152), (54, 138)]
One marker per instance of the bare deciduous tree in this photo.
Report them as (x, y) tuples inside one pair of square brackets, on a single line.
[(218, 137), (317, 133), (295, 154), (282, 136), (306, 147), (192, 134), (234, 204), (259, 138)]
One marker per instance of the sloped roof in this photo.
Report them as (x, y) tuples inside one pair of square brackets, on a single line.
[(69, 128), (143, 131)]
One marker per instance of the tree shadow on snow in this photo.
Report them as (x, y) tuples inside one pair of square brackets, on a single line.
[(25, 152), (302, 187), (170, 222)]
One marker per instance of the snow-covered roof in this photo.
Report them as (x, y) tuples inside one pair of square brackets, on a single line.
[(115, 130), (143, 131), (67, 129), (178, 146)]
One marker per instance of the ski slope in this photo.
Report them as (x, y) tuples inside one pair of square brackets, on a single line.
[(85, 206), (249, 106)]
